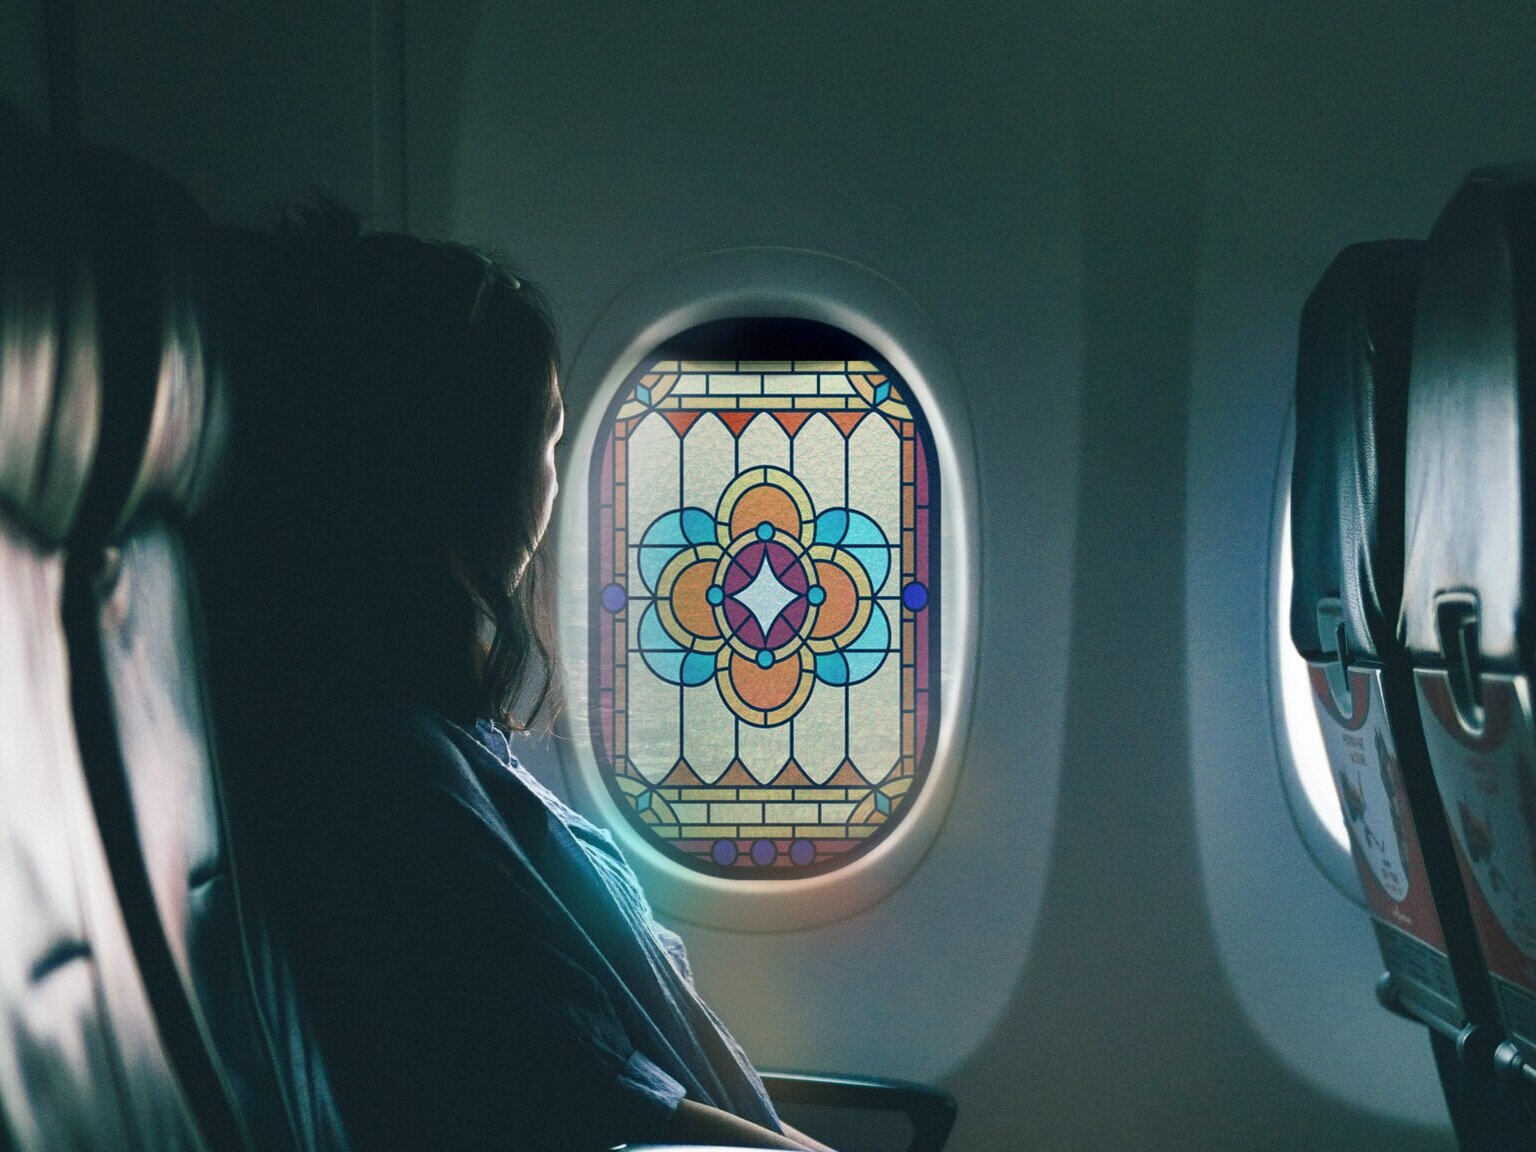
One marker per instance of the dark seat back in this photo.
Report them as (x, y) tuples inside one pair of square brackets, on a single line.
[(148, 1003), (82, 1061), (140, 694), (1467, 603), (1347, 532), (1347, 506)]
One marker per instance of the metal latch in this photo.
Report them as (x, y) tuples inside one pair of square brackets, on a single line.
[(1330, 638), (1456, 622)]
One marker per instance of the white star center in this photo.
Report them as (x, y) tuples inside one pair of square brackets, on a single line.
[(766, 596)]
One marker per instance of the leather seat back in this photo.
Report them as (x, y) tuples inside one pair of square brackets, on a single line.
[(1349, 482), (1347, 532), (139, 659), (1467, 605), (82, 1061)]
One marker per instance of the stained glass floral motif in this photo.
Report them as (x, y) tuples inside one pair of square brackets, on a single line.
[(765, 620)]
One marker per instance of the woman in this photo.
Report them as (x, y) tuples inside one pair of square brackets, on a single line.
[(482, 967)]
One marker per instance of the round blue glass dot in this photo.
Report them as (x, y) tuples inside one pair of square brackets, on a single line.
[(816, 594), (613, 597), (765, 659), (764, 853), (802, 852), (715, 595), (724, 853), (765, 531), (915, 596)]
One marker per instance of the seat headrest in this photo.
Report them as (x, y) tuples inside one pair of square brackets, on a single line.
[(107, 398), (1471, 397), (1351, 409), (50, 398)]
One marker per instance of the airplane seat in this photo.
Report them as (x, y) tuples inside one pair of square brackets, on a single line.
[(82, 1059), (1347, 532), (145, 727), (1467, 601)]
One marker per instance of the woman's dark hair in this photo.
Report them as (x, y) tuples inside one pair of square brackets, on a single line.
[(389, 466)]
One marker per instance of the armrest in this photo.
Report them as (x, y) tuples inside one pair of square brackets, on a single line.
[(930, 1111)]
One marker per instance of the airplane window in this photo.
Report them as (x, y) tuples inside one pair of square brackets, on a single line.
[(764, 624), (1304, 736)]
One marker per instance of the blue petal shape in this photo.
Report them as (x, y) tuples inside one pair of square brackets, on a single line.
[(698, 526), (669, 659), (869, 648), (670, 534), (831, 526), (662, 655), (876, 636), (863, 530), (652, 561), (698, 668), (682, 527), (665, 529), (863, 665), (831, 668), (861, 537), (653, 637), (875, 561), (667, 665)]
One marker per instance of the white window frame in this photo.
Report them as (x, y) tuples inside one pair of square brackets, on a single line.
[(773, 282)]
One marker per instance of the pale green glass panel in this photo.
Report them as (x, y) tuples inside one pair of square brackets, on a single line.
[(708, 732), (874, 475), (763, 750), (710, 454), (653, 483), (819, 745), (652, 723), (764, 443), (819, 462), (874, 721)]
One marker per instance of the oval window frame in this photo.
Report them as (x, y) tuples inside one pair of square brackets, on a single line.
[(814, 286)]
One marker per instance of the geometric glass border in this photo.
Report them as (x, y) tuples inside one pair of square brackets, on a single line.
[(766, 585)]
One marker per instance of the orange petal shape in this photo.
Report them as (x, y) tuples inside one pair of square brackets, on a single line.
[(765, 688), (837, 610), (689, 602), (765, 502)]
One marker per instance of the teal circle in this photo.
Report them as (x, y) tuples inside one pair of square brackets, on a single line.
[(715, 595), (816, 594), (765, 531), (765, 659)]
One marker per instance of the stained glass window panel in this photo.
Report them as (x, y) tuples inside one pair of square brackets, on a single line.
[(765, 619)]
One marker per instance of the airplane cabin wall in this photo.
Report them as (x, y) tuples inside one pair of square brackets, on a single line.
[(1112, 214), (250, 105), (24, 60)]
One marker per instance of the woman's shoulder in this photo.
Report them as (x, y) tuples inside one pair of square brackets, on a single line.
[(395, 744), (490, 742)]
